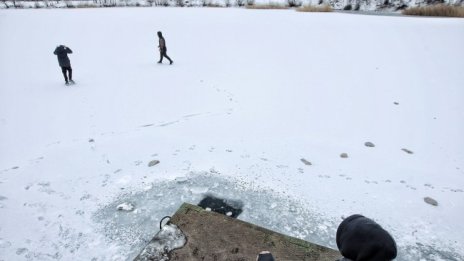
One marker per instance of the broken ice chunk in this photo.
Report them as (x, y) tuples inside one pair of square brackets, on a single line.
[(198, 190), (125, 207), (170, 237)]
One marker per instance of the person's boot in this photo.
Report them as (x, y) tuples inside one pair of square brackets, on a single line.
[(171, 62), (67, 83), (160, 62), (265, 256)]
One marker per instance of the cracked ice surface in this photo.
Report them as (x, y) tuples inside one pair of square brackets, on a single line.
[(266, 208)]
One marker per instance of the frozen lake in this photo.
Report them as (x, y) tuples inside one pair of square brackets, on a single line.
[(258, 107)]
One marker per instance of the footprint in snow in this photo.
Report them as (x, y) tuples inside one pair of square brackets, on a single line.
[(138, 162), (193, 115), (167, 123), (44, 184), (85, 197), (4, 243), (45, 188), (188, 164), (453, 190), (21, 251), (429, 186), (407, 151)]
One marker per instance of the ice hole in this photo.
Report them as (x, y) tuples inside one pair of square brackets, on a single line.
[(231, 208)]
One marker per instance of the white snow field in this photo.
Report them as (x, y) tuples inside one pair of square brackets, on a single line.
[(250, 94)]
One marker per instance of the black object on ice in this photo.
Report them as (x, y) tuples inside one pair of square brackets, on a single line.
[(362, 239), (226, 207), (161, 222)]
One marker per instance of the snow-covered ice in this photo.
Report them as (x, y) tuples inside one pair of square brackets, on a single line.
[(250, 95)]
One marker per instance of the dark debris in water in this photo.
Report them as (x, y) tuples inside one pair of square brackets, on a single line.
[(226, 207)]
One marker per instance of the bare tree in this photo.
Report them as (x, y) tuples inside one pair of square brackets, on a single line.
[(294, 3)]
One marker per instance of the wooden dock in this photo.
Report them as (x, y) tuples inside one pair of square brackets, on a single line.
[(214, 236)]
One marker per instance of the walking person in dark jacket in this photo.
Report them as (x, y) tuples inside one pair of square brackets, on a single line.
[(163, 49), (62, 53), (362, 239)]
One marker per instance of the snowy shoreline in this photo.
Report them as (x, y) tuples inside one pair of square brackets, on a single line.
[(358, 6)]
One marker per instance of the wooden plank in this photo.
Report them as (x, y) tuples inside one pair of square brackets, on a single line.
[(213, 236)]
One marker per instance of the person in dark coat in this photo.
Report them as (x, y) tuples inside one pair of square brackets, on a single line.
[(361, 239), (163, 49), (63, 60)]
